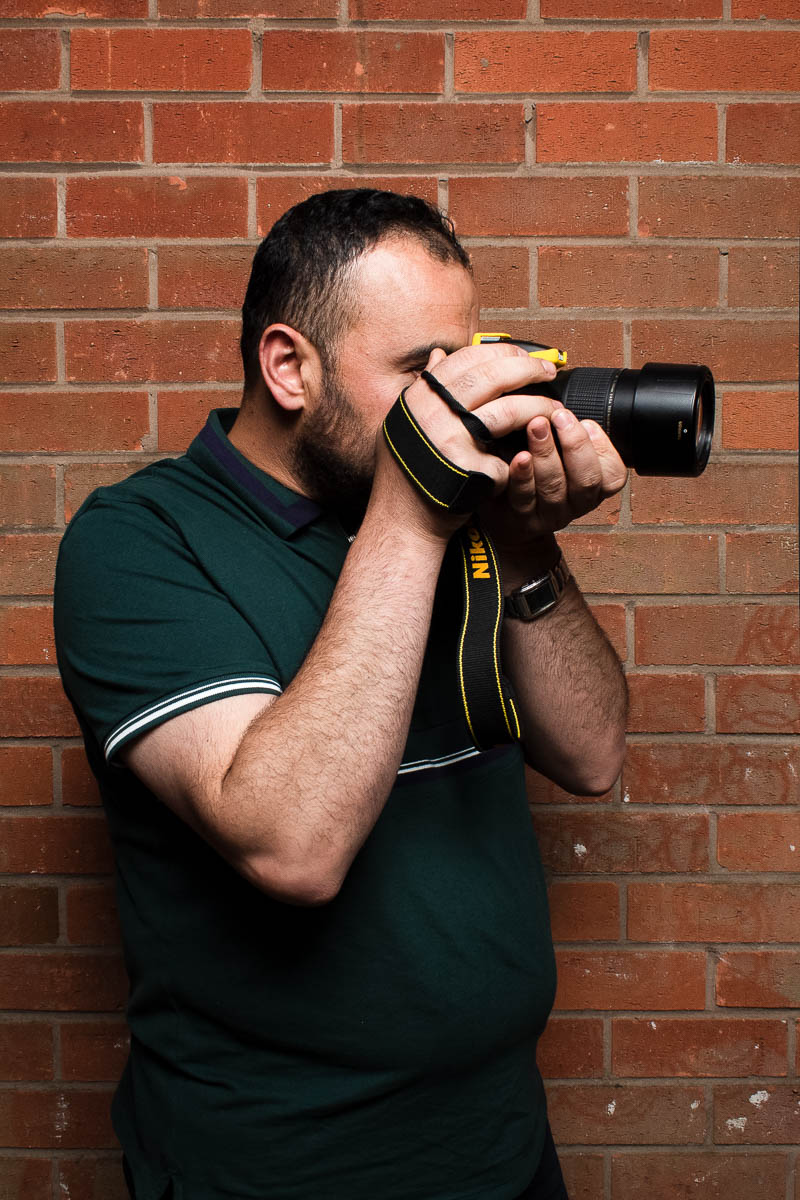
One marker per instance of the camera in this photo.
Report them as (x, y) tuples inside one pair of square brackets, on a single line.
[(660, 418)]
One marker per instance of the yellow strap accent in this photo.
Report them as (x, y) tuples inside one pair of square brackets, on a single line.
[(461, 644), (409, 472), (426, 441), (488, 543)]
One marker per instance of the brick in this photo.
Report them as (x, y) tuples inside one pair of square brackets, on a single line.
[(297, 10), (759, 634), (27, 775), (738, 351), (666, 703), (621, 277), (713, 912), (26, 1052), (304, 60), (706, 61), (758, 979), (762, 562), (144, 207), (27, 494), (758, 704), (28, 916), (763, 277), (758, 10), (30, 60), (213, 277), (584, 910), (160, 60), (25, 1178), (83, 421), (611, 619), (433, 133), (745, 1114), (759, 841), (632, 980), (726, 206), (34, 277), (29, 207), (27, 563), (759, 420), (711, 773), (62, 845), (92, 915), (583, 1174), (438, 10), (81, 479), (620, 132), (181, 415), (71, 131), (78, 784), (605, 515), (589, 343), (762, 133), (35, 707), (571, 1048), (643, 563), (27, 351), (596, 1115), (706, 1174), (698, 1047), (631, 10), (93, 1051), (152, 349), (26, 635), (740, 494), (558, 62), (93, 1178), (502, 275), (114, 9), (63, 981), (276, 193), (222, 131), (605, 842), (67, 1119), (540, 206)]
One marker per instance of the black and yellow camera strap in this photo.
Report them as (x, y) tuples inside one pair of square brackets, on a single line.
[(486, 694)]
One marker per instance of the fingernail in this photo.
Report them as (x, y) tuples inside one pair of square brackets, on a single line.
[(563, 418), (540, 429), (594, 431)]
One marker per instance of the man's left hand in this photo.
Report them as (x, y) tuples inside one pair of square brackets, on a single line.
[(546, 489)]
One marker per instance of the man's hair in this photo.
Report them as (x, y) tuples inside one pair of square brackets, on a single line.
[(302, 273)]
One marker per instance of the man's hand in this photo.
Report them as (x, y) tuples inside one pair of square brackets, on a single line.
[(483, 379), (548, 489)]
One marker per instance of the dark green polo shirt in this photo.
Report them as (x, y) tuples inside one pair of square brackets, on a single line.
[(382, 1046)]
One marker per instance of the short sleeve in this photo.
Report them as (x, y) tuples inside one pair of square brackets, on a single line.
[(142, 631)]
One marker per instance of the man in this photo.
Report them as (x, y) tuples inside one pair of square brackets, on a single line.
[(333, 908)]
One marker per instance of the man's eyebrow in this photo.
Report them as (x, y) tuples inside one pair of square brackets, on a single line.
[(423, 353)]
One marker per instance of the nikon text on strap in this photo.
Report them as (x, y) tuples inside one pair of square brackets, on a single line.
[(486, 694)]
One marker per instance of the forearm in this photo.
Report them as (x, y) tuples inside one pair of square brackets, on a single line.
[(569, 684), (313, 771)]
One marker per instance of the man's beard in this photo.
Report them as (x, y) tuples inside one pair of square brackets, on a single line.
[(334, 455)]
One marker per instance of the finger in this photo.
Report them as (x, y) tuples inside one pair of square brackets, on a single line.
[(548, 470), (612, 469), (478, 374), (582, 467), (521, 488), (513, 411)]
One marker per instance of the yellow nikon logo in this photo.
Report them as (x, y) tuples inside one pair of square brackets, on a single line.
[(477, 556)]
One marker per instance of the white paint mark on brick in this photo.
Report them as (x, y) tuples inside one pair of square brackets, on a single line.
[(759, 1098), (736, 1123)]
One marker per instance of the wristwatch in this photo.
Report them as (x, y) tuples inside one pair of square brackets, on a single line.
[(540, 595)]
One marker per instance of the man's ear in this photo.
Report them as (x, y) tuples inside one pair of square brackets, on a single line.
[(290, 366)]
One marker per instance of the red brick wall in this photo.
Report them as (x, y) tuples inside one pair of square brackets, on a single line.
[(627, 176)]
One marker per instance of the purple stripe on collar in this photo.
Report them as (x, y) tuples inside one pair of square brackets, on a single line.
[(299, 512)]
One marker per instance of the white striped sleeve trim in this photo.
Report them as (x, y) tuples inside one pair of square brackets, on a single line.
[(189, 698), (430, 764)]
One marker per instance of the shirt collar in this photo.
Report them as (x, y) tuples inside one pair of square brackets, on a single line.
[(284, 510)]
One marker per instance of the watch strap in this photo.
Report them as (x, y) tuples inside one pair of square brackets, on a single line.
[(539, 595)]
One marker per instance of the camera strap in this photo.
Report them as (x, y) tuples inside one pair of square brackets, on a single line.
[(486, 694)]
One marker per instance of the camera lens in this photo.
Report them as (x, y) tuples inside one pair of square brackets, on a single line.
[(660, 418)]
